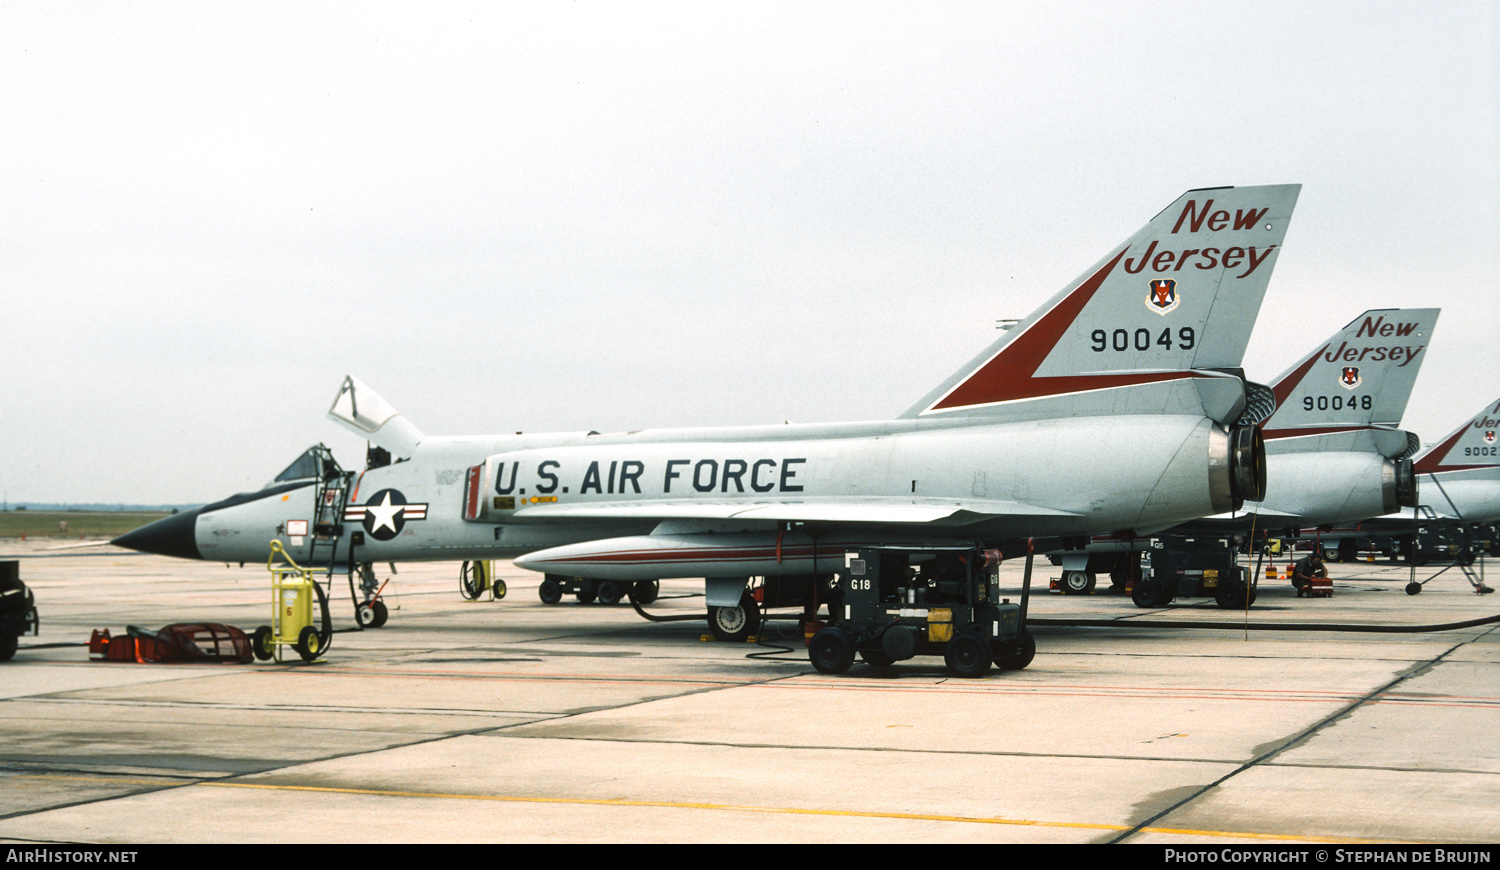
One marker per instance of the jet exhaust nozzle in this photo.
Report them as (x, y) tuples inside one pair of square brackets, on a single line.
[(1247, 465), (1400, 485)]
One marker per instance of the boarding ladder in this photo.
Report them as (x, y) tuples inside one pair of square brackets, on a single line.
[(1474, 575), (329, 502)]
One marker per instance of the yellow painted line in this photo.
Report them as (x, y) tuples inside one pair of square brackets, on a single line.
[(925, 817), (621, 802)]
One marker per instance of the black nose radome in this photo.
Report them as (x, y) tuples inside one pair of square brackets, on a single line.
[(169, 536)]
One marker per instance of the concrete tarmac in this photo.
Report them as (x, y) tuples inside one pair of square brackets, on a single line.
[(517, 721)]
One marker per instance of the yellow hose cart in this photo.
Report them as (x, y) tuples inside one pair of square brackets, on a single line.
[(293, 589), (476, 577)]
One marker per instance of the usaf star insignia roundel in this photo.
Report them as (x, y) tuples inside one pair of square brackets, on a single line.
[(385, 514)]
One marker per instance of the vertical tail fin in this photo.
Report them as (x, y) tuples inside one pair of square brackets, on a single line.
[(1170, 305), (1475, 444), (1357, 381)]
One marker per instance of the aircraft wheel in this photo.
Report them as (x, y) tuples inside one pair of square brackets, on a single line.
[(644, 592), (876, 658), (470, 578), (309, 643), (1018, 656), (1414, 588), (1077, 582), (372, 614), (550, 591), (587, 594), (1330, 554), (967, 655), (9, 643), (737, 623), (260, 643), (609, 592), (830, 651)]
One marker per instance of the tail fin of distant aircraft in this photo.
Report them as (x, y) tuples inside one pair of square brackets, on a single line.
[(1354, 385), (362, 411), (1475, 444), (1172, 306)]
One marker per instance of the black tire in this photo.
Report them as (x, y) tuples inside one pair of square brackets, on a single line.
[(550, 591), (644, 592), (9, 643), (382, 613), (875, 658), (469, 581), (309, 643), (1330, 554), (1077, 583), (1019, 654), (586, 592), (364, 613), (968, 656), (1150, 593), (735, 624), (260, 644), (1414, 588), (830, 651), (609, 592), (1230, 595), (497, 589)]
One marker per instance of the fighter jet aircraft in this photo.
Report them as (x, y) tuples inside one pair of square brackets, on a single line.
[(1333, 447), (1118, 406), (1459, 480), (1334, 452), (1460, 476)]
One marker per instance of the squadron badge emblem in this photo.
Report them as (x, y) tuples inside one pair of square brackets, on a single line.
[(1163, 295)]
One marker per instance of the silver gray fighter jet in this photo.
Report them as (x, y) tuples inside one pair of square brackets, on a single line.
[(1117, 407), (1460, 475)]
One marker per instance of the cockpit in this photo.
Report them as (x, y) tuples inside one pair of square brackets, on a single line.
[(315, 463)]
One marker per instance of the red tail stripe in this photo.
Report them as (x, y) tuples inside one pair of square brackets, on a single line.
[(1011, 373)]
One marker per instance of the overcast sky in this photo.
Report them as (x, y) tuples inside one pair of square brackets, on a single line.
[(571, 216)]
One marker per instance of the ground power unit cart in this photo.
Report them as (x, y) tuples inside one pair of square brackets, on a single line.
[(896, 603)]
